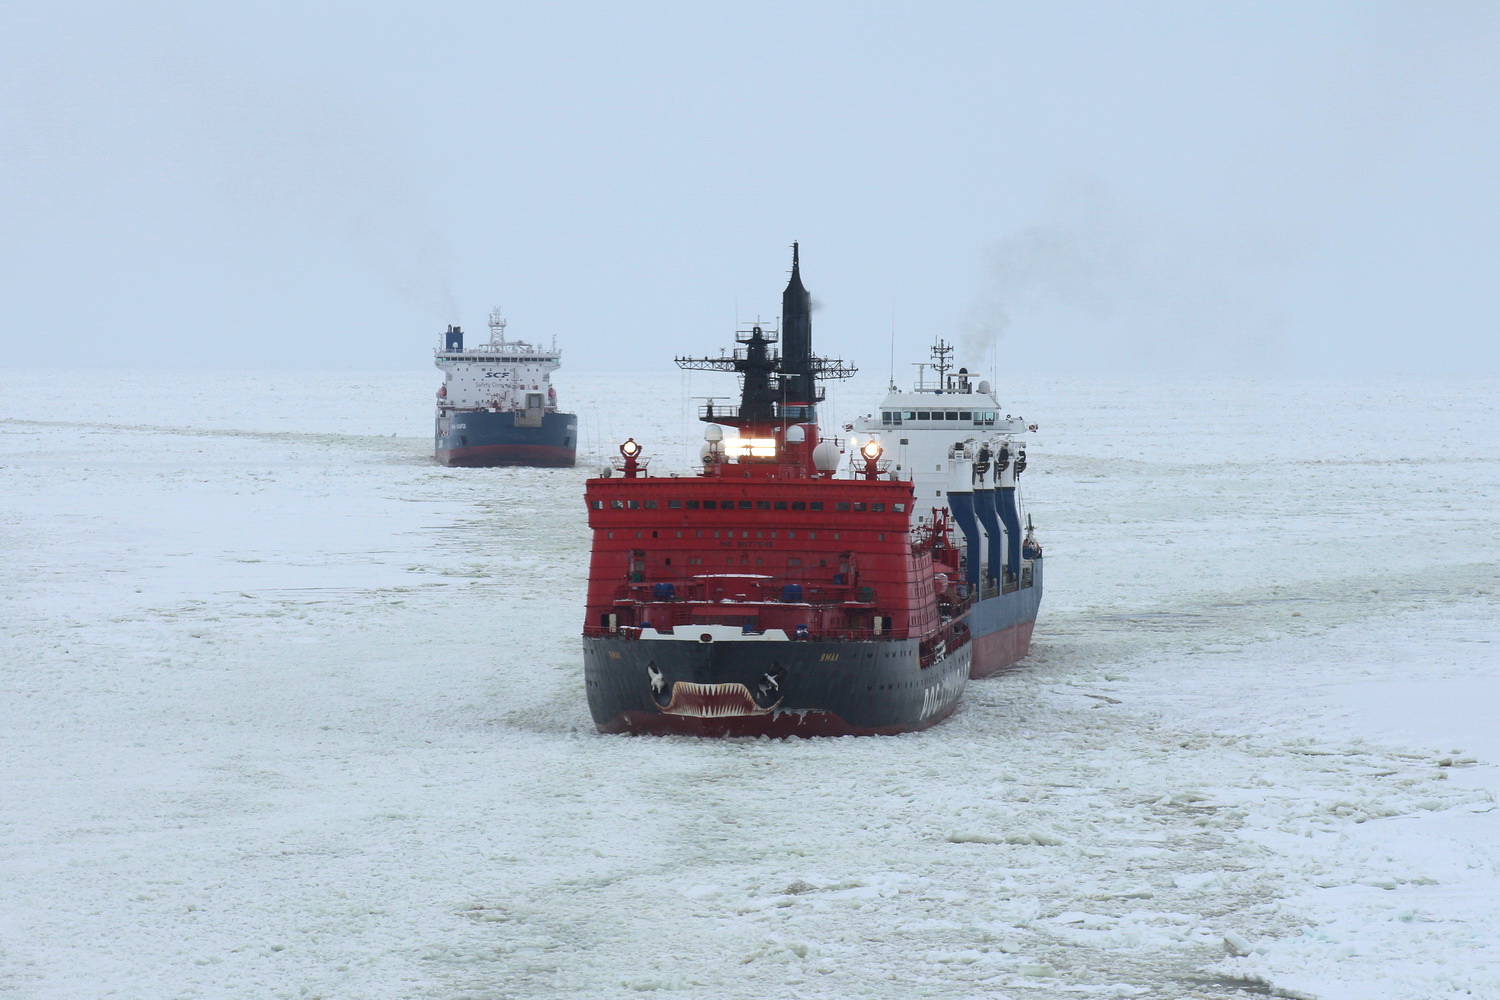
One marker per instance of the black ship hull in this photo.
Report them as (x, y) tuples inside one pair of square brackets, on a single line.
[(697, 685), (483, 438)]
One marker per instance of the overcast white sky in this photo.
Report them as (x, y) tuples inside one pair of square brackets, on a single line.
[(1272, 188)]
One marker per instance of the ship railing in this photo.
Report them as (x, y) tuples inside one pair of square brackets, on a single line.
[(623, 630), (1011, 584), (680, 607), (861, 634), (618, 463), (642, 603), (952, 609), (758, 590), (659, 623), (725, 411)]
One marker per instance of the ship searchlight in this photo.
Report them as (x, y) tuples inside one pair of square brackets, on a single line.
[(871, 452), (632, 453)]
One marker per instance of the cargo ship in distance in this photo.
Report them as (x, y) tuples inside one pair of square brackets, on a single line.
[(770, 594), (497, 406)]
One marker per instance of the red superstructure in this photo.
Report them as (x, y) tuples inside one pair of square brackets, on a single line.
[(768, 595), (762, 543)]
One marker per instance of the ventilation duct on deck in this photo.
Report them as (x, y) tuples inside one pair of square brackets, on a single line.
[(985, 507), (962, 506), (1006, 496)]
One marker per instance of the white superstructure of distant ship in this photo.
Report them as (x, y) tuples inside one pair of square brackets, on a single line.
[(964, 457)]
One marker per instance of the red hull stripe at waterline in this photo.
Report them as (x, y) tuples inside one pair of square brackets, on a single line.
[(508, 454), (998, 650)]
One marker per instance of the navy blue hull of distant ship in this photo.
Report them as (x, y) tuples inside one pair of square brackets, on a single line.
[(484, 438)]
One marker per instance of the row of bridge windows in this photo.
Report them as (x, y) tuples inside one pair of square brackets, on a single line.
[(979, 418)]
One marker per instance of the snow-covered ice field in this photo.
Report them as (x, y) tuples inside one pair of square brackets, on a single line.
[(287, 710)]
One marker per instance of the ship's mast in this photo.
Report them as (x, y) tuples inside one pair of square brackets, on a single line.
[(756, 363), (942, 361), (799, 387), (776, 387)]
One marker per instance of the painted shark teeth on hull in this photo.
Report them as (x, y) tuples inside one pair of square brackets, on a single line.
[(712, 701)]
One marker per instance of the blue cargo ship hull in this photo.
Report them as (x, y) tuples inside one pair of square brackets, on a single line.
[(481, 438), (1002, 624)]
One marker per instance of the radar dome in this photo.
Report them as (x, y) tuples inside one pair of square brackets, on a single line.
[(795, 434), (826, 456)]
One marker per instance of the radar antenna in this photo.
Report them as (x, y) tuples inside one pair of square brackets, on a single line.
[(942, 359)]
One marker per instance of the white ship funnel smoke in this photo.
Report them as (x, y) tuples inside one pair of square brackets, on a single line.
[(1100, 284), (325, 164)]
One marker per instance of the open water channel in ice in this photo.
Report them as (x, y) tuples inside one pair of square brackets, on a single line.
[(286, 710)]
